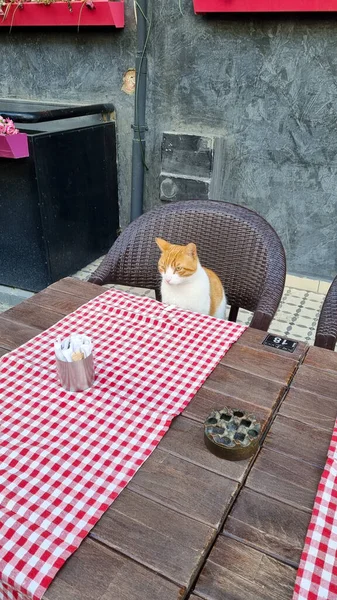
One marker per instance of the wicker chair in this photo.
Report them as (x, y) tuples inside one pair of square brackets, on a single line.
[(326, 332), (238, 244)]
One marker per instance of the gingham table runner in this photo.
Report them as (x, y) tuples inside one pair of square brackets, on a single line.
[(317, 573), (64, 457)]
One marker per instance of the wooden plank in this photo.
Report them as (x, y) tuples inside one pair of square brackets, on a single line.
[(310, 408), (269, 525), (235, 571), (284, 478), (254, 338), (263, 364), (14, 334), (316, 381), (321, 358), (166, 517), (187, 488), (207, 400), (94, 572), (29, 314), (157, 537), (3, 352), (185, 439), (253, 389), (76, 287), (59, 302), (299, 440)]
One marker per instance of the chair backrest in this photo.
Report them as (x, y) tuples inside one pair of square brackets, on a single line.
[(237, 243), (326, 332)]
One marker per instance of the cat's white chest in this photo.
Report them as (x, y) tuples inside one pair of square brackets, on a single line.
[(191, 294)]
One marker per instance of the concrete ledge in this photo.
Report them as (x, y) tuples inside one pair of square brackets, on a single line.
[(13, 296), (310, 285)]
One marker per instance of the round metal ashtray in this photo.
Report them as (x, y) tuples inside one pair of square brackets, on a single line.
[(232, 433)]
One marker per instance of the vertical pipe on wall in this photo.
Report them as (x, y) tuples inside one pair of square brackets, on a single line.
[(138, 142)]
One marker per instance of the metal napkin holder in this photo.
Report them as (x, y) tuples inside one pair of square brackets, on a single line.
[(76, 376)]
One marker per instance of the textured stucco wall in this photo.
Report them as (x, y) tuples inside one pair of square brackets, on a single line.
[(66, 66), (266, 85)]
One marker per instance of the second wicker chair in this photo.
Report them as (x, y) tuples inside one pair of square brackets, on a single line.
[(238, 244), (326, 332)]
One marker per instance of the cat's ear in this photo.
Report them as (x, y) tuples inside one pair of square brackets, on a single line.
[(162, 244), (191, 250)]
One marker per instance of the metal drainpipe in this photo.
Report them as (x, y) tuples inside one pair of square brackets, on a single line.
[(138, 142)]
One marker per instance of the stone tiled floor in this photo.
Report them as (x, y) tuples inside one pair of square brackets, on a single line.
[(296, 317)]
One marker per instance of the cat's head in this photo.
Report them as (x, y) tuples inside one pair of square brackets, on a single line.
[(176, 263)]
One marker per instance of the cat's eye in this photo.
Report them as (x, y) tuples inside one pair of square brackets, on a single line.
[(178, 268)]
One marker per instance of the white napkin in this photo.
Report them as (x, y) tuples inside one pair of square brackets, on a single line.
[(71, 348)]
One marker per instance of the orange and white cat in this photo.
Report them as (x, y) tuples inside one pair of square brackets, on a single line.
[(185, 283)]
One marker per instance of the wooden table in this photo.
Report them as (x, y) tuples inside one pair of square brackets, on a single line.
[(190, 525)]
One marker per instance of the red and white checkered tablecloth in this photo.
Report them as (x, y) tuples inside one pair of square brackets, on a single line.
[(64, 457), (317, 573)]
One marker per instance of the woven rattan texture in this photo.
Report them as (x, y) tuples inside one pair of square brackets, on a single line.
[(326, 332), (238, 244)]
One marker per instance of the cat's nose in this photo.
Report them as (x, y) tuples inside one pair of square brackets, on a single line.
[(168, 278)]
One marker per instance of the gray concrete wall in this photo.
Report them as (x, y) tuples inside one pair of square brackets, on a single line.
[(266, 85), (86, 67), (269, 87)]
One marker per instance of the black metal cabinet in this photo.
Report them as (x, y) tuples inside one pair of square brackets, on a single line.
[(59, 207)]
